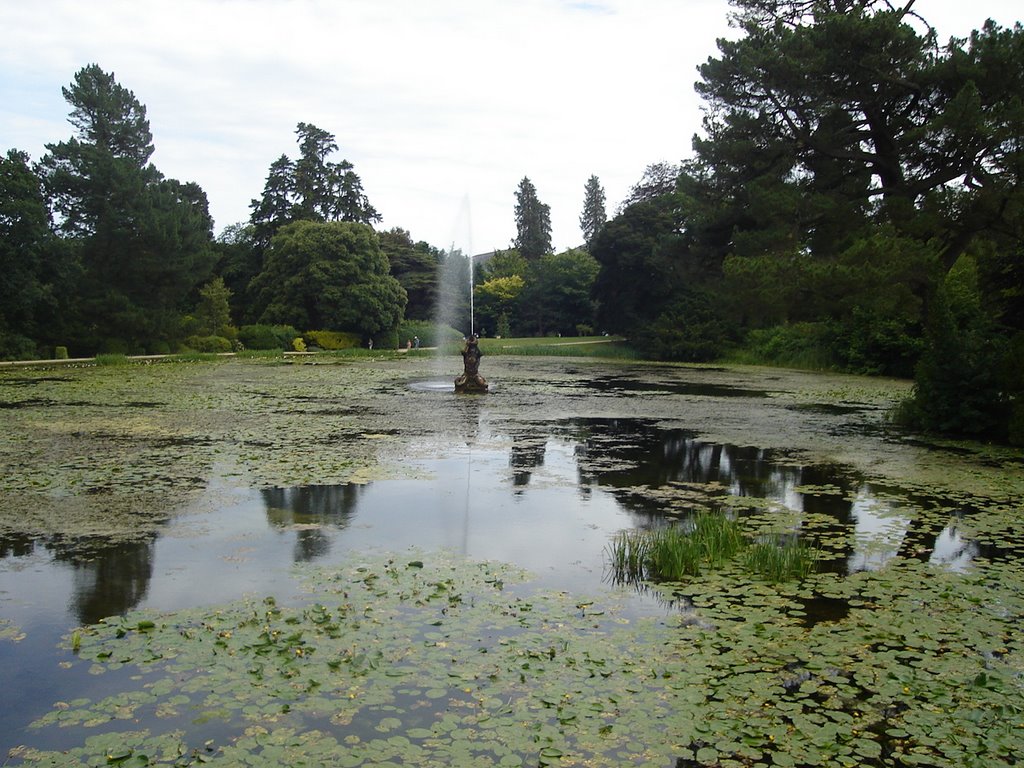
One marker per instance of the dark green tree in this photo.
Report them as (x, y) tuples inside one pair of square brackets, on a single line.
[(239, 260), (641, 254), (25, 242), (852, 161), (144, 241), (310, 188), (416, 266), (557, 296), (213, 313), (593, 216), (659, 179), (533, 222), (328, 276), (858, 107)]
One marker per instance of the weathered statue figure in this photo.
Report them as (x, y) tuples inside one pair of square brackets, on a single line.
[(471, 380)]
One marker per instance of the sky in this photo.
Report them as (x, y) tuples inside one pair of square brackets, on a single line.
[(442, 106)]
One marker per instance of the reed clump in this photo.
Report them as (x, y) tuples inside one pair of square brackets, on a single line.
[(707, 540)]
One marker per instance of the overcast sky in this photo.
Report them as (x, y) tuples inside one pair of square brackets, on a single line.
[(443, 106)]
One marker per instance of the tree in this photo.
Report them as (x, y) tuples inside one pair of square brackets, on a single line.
[(659, 179), (416, 267), (495, 302), (856, 105), (846, 151), (593, 216), (24, 242), (144, 241), (533, 222), (328, 276), (239, 260), (311, 188), (557, 295), (213, 314), (640, 254)]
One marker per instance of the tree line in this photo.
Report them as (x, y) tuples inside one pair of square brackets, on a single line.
[(853, 202)]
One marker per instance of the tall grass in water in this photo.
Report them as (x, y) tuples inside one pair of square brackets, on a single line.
[(673, 552), (780, 562)]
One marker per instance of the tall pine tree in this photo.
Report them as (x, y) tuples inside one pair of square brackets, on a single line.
[(533, 222), (594, 215)]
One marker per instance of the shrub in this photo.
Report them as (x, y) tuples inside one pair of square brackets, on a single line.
[(298, 345), (14, 346), (267, 336), (960, 385), (800, 345), (331, 340), (691, 329), (112, 358), (60, 353), (210, 344)]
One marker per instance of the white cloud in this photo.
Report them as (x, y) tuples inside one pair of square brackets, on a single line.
[(435, 103)]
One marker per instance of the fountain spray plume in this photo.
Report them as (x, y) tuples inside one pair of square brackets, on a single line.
[(454, 308)]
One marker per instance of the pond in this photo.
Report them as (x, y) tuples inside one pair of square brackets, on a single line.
[(153, 511)]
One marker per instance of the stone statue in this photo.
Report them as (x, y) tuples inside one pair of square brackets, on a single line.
[(471, 380)]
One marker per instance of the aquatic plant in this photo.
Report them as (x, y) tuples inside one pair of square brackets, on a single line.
[(775, 562), (672, 552)]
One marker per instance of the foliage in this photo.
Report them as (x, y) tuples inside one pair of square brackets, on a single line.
[(496, 299), (780, 561), (112, 359), (331, 340), (213, 312), (416, 266), (210, 343), (24, 242), (267, 336), (710, 540), (311, 188), (238, 261), (691, 329), (533, 222), (593, 216), (144, 241), (794, 345), (658, 180), (959, 386), (430, 334), (557, 294), (331, 276), (641, 258)]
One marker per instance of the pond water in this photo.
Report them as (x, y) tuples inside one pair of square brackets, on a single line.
[(545, 494)]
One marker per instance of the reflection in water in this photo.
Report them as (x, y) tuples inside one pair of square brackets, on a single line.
[(307, 509), (572, 485), (112, 582)]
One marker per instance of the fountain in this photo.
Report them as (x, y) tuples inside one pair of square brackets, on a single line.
[(455, 309), (471, 381)]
